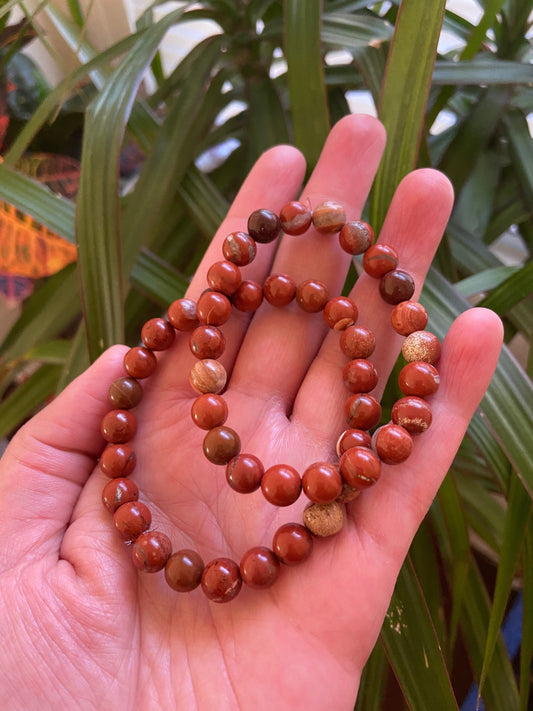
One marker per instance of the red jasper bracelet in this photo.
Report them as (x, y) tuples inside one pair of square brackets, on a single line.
[(327, 485)]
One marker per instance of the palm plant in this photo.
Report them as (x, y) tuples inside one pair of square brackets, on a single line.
[(267, 76)]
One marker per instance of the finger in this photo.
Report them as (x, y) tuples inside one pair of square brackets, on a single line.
[(48, 461)]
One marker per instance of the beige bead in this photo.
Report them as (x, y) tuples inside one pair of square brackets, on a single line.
[(208, 376), (324, 519)]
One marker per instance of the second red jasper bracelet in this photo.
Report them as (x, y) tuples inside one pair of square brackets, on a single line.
[(327, 485)]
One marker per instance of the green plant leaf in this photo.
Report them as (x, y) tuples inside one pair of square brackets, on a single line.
[(157, 279), (526, 648), (484, 280), (26, 399), (511, 291), (484, 71), (373, 681)]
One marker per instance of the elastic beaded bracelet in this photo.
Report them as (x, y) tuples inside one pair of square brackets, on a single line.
[(327, 485)]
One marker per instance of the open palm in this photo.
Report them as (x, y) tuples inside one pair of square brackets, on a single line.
[(81, 628)]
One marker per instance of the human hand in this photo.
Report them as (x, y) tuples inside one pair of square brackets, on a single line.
[(82, 628)]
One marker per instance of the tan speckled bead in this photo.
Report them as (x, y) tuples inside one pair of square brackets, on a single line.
[(324, 519), (329, 217), (421, 345), (208, 376)]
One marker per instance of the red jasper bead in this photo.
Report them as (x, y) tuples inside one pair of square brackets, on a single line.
[(295, 218), (259, 567), (360, 467), (279, 289), (396, 286), (292, 543), (248, 297), (183, 570), (139, 362), (119, 426), (356, 237), (340, 312), (117, 460), (421, 345), (151, 551), (264, 226), (412, 413), (322, 482), (207, 342), (352, 438), (132, 519), (329, 217), (359, 376), (408, 316), (209, 410), (239, 248), (362, 411), (213, 308), (157, 334), (281, 485), (224, 276), (312, 295), (125, 393), (419, 378), (380, 259), (357, 342), (182, 315), (221, 580), (244, 473), (119, 491), (221, 444), (393, 444)]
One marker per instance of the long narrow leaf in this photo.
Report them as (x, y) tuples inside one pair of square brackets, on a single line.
[(24, 401), (526, 649)]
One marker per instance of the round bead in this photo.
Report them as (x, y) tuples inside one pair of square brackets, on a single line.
[(125, 393), (209, 410), (221, 444), (119, 426), (182, 314), (132, 519), (213, 308), (119, 491), (151, 551), (221, 580), (295, 218), (419, 378), (329, 217), (324, 519), (421, 345), (312, 295), (248, 297), (408, 316), (322, 482), (157, 334), (183, 570), (207, 342), (360, 467), (281, 485), (292, 543), (139, 362), (224, 276), (279, 289), (380, 259), (117, 460), (357, 342), (340, 312), (264, 226), (208, 376), (362, 411), (396, 286), (412, 413), (259, 567), (356, 237), (393, 444), (352, 438), (359, 376), (239, 248), (244, 473), (348, 494)]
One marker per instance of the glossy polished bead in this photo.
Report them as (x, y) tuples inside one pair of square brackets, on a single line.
[(259, 567), (281, 485), (244, 473), (362, 411), (207, 342), (352, 438), (221, 580), (157, 334), (419, 378), (279, 289), (139, 362), (421, 345), (125, 393), (248, 297), (408, 316), (221, 444), (224, 276), (239, 248), (393, 444), (264, 226), (329, 217), (117, 460), (182, 315), (312, 295), (396, 286), (413, 413), (151, 551), (324, 519), (360, 467), (292, 543), (183, 570), (208, 376), (322, 482), (340, 313), (356, 237), (357, 342), (209, 410), (213, 308), (119, 426), (295, 218), (119, 491), (380, 259), (359, 376), (132, 519)]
